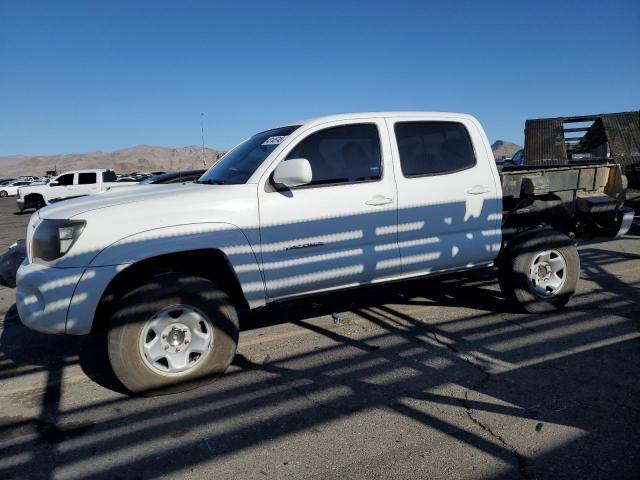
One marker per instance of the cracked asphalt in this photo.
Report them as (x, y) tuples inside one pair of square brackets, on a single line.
[(425, 379)]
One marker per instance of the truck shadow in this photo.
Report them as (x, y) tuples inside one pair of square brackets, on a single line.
[(90, 351), (420, 340), (534, 369)]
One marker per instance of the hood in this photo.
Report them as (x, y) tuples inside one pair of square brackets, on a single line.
[(121, 213), (153, 196)]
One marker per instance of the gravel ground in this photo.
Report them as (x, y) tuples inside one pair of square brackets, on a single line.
[(425, 379)]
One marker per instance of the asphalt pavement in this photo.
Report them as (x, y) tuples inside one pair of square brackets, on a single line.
[(433, 378)]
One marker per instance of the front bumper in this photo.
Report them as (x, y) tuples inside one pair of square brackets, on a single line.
[(60, 300), (20, 202), (43, 295)]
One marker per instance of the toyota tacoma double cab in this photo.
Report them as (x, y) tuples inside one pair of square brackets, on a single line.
[(322, 205)]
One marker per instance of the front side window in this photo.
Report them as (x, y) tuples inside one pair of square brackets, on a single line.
[(66, 179), (238, 165), (86, 178), (350, 153), (431, 148)]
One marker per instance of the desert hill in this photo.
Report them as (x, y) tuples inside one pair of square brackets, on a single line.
[(502, 149), (139, 158), (143, 158)]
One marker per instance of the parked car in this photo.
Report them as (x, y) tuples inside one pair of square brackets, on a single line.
[(77, 183), (174, 177), (329, 204), (11, 188), (516, 161)]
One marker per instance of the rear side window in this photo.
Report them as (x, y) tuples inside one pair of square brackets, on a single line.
[(431, 148), (86, 178), (109, 176), (66, 179), (345, 154)]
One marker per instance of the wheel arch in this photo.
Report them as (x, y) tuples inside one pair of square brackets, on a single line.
[(512, 241), (31, 199), (212, 264)]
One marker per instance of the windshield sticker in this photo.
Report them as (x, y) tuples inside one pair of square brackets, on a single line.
[(274, 140)]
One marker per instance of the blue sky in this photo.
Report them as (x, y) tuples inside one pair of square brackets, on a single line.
[(102, 75)]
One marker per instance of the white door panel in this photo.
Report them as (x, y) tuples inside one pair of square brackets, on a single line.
[(64, 185), (445, 220), (86, 183), (324, 236)]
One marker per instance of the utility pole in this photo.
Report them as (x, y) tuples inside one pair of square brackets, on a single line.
[(204, 161)]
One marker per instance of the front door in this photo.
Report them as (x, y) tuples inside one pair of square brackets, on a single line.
[(61, 187), (340, 230)]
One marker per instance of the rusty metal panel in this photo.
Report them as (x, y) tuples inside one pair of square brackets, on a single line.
[(623, 134), (544, 142), (564, 179), (587, 179)]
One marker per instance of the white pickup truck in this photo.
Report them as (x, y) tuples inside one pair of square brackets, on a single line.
[(77, 183), (326, 204)]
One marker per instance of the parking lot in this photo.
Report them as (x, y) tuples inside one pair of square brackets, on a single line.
[(434, 378)]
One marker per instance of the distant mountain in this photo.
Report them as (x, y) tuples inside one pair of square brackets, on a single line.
[(141, 158), (144, 158), (502, 149)]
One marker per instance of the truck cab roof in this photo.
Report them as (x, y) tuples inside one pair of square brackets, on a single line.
[(391, 114)]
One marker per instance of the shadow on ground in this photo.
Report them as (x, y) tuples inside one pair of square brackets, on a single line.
[(578, 368)]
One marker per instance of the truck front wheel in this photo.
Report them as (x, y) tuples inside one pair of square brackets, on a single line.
[(171, 334), (539, 271)]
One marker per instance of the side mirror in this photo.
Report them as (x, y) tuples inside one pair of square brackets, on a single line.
[(293, 173), (54, 184)]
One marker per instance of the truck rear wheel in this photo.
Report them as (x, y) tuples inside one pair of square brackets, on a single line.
[(539, 271), (171, 334)]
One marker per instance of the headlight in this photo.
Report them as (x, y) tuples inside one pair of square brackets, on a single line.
[(53, 238)]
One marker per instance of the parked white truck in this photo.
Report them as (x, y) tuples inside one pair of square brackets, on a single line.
[(77, 183), (326, 204), (10, 189)]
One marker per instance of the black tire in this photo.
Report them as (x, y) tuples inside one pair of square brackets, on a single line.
[(3, 193), (136, 308), (38, 203), (517, 264)]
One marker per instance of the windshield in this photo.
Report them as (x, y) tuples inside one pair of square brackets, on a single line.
[(518, 157), (240, 163)]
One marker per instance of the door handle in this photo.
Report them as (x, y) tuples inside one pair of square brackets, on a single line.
[(379, 200), (478, 190)]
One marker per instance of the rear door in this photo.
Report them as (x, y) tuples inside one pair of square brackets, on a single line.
[(340, 230), (87, 184), (448, 198)]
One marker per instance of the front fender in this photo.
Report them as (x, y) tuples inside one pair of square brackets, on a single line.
[(225, 237)]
